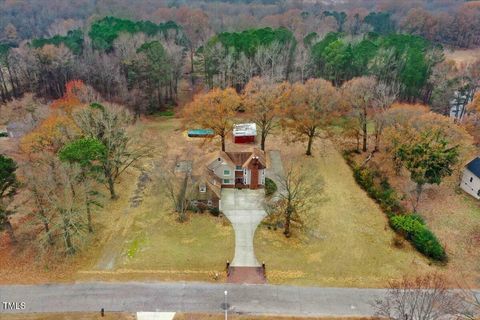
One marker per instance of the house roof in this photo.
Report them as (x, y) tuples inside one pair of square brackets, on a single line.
[(240, 159), (213, 163), (212, 191), (245, 129), (474, 166), (256, 154)]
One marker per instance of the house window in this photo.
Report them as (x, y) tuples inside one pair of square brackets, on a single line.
[(219, 159), (478, 193), (226, 181), (202, 188), (471, 179), (226, 172), (209, 203)]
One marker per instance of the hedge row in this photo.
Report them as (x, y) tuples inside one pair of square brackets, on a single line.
[(410, 226), (414, 229)]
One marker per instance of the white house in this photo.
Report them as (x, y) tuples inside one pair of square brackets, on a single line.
[(471, 178)]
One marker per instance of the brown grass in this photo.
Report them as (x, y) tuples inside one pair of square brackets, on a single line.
[(463, 56), (348, 242), (452, 215)]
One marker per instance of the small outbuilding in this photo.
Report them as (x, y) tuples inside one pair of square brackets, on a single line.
[(471, 178), (244, 133), (200, 133)]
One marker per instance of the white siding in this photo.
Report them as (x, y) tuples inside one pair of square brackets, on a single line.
[(247, 173), (471, 187), (261, 177), (219, 172)]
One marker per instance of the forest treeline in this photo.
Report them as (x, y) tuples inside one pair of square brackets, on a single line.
[(139, 61)]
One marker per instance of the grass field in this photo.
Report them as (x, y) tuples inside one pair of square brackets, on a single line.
[(349, 242), (154, 244)]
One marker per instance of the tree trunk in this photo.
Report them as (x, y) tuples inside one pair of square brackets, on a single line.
[(418, 191), (262, 142), (46, 226), (288, 217), (89, 217), (377, 141), (111, 188), (223, 143), (309, 145), (192, 79), (9, 228), (358, 142), (365, 133)]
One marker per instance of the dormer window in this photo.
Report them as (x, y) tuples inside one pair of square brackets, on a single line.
[(202, 187), (219, 159)]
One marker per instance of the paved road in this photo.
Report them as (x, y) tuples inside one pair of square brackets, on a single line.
[(244, 208), (192, 297)]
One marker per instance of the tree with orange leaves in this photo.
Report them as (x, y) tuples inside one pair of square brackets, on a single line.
[(74, 89), (50, 135), (214, 110), (310, 108), (261, 99)]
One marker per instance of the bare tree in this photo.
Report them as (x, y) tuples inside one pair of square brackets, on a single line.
[(423, 298), (471, 300), (293, 196), (109, 125), (384, 96), (177, 186)]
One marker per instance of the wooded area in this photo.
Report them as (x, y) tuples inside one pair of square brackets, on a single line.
[(138, 60)]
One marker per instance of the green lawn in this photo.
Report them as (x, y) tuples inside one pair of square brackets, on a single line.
[(349, 242)]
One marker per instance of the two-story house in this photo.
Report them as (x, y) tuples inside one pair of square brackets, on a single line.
[(239, 169), (227, 170)]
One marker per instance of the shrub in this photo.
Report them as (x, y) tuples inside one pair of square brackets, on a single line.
[(214, 211), (166, 113), (270, 187), (410, 226), (406, 223), (3, 134), (427, 243), (414, 229)]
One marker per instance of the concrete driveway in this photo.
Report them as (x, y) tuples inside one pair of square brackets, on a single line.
[(244, 208)]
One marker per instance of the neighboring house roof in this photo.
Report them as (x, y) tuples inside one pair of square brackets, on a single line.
[(474, 166)]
